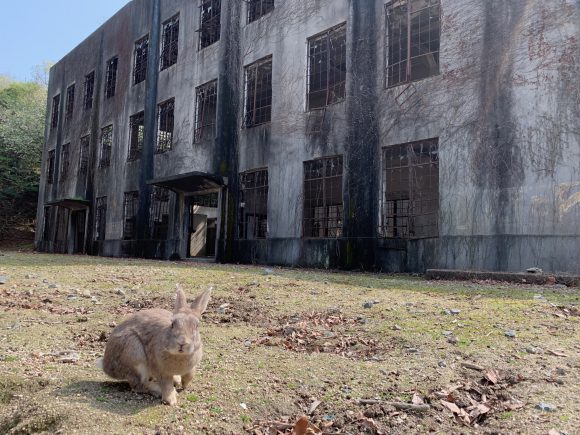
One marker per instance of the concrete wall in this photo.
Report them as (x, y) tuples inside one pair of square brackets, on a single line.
[(504, 107)]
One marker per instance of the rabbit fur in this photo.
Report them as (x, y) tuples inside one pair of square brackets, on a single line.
[(152, 348)]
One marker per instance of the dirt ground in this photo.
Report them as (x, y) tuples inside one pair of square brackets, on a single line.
[(355, 353)]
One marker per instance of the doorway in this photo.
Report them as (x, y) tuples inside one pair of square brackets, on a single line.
[(78, 220), (202, 228)]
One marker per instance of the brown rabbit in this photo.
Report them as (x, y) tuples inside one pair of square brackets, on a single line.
[(153, 347)]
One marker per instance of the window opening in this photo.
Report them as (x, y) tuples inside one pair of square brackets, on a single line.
[(259, 8), (106, 146), (55, 108), (84, 154), (136, 135), (140, 60), (413, 35), (327, 68), (70, 102), (50, 169), (323, 203), (210, 22), (111, 77), (254, 204), (100, 218), (89, 90), (159, 213), (410, 192), (165, 126), (64, 162), (258, 90), (205, 112), (170, 42), (130, 207)]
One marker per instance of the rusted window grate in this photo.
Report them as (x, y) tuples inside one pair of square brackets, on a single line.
[(327, 68), (259, 8), (254, 204), (84, 154), (323, 203), (50, 167), (413, 33), (64, 162), (140, 60), (258, 93), (410, 191), (106, 146), (55, 108), (165, 126), (159, 213), (136, 135), (130, 208), (210, 22), (111, 77), (100, 218), (70, 102), (89, 90), (205, 112), (170, 42)]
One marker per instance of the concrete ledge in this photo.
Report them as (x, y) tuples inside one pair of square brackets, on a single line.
[(519, 277)]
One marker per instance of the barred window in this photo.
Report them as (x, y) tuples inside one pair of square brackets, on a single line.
[(410, 191), (84, 154), (70, 102), (140, 60), (327, 68), (159, 213), (170, 42), (100, 218), (50, 167), (111, 77), (259, 8), (210, 22), (136, 135), (413, 34), (165, 126), (106, 146), (254, 204), (258, 93), (205, 112), (130, 208), (64, 162), (89, 90), (323, 204), (55, 108)]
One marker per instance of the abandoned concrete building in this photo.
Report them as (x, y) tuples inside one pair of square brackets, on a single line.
[(370, 134)]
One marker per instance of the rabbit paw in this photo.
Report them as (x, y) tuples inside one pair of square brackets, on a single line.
[(171, 398)]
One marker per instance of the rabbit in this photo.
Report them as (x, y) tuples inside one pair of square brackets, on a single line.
[(154, 348)]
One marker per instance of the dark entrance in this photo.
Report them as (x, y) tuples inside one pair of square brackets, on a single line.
[(78, 221)]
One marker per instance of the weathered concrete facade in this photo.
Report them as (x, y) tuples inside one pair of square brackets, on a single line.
[(504, 107)]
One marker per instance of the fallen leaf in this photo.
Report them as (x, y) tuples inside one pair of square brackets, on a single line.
[(452, 407), (417, 400), (301, 426), (313, 406)]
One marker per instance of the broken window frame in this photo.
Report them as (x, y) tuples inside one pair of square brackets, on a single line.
[(140, 55), (405, 47), (253, 200), (170, 42), (259, 8), (64, 162), (209, 23), (327, 82), (130, 211), (84, 147), (258, 93), (159, 213), (106, 146), (50, 170), (205, 112), (89, 91), (111, 77), (136, 136), (323, 198), (165, 126), (55, 109), (100, 218), (70, 102), (409, 207)]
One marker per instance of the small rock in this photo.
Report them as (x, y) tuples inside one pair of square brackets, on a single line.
[(447, 333), (560, 371), (539, 298), (534, 270), (3, 279), (71, 358), (329, 334), (45, 281), (71, 297), (288, 331), (412, 350), (533, 350), (53, 286), (451, 339), (454, 311), (397, 328), (560, 286), (368, 304), (361, 320), (510, 333), (243, 406), (85, 293), (546, 407), (268, 271), (29, 293), (442, 364), (120, 291), (29, 276), (247, 343)]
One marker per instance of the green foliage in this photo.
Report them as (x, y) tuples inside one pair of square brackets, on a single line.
[(22, 118)]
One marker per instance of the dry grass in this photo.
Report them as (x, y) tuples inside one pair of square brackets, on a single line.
[(279, 342)]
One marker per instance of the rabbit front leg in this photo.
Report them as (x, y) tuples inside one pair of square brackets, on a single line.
[(186, 379), (168, 392)]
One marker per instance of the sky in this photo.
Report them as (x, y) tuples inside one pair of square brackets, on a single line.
[(34, 31)]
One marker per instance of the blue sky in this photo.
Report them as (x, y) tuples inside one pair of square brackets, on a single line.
[(34, 31)]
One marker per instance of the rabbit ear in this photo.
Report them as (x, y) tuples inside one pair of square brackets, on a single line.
[(180, 300), (199, 305)]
